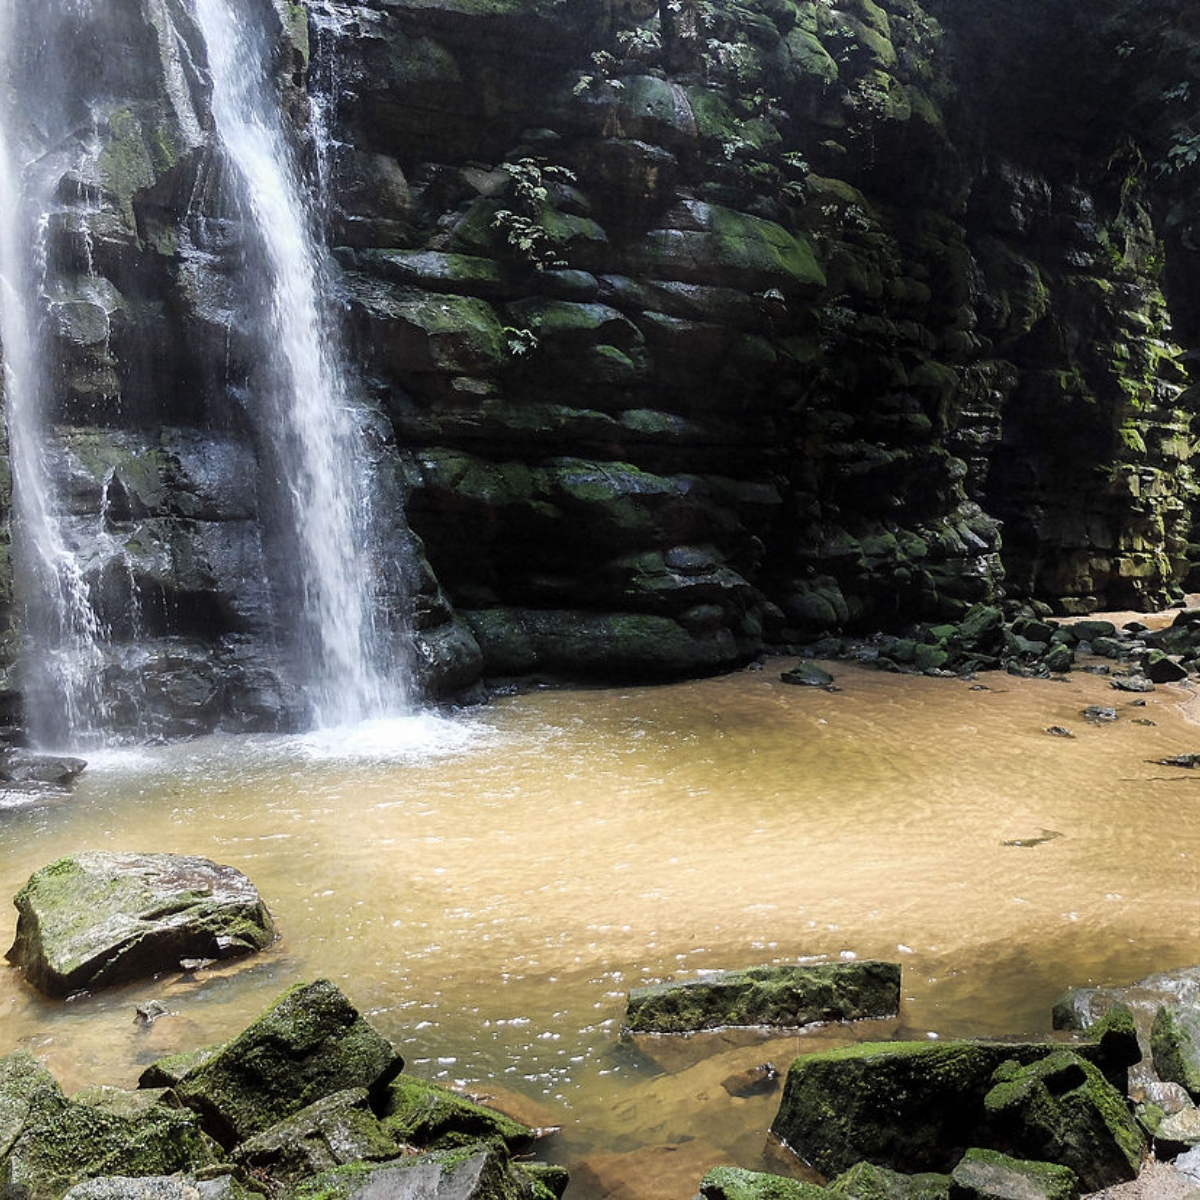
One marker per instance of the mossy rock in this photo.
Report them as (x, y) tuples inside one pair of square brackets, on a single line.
[(161, 1187), (783, 996), (309, 1044), (735, 1183), (434, 1117), (989, 1175), (471, 1173), (100, 918), (570, 643), (1175, 1045), (866, 1181), (907, 1106), (335, 1130), (48, 1142), (1061, 1109), (719, 246)]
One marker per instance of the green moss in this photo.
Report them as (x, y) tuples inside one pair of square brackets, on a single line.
[(433, 1117), (734, 1183)]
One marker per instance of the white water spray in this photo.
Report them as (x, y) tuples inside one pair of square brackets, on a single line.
[(64, 661), (310, 413)]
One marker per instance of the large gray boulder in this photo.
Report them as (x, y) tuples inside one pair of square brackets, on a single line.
[(783, 996), (98, 918)]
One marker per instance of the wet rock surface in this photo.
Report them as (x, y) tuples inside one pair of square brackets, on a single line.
[(708, 330), (782, 996), (310, 1081), (99, 918)]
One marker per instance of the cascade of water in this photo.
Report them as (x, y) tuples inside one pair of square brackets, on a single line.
[(63, 666), (307, 408)]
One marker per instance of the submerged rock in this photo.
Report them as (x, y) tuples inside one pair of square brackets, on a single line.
[(806, 674), (99, 918), (30, 767), (784, 996)]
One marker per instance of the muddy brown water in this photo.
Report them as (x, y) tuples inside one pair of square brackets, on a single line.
[(486, 888)]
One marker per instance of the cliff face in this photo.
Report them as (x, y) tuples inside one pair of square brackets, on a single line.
[(688, 329)]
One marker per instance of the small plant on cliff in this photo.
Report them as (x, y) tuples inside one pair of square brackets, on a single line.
[(522, 225)]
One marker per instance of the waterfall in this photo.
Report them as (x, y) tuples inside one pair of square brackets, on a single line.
[(64, 657), (306, 410)]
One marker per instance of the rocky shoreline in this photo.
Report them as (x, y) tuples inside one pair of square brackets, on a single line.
[(310, 1101)]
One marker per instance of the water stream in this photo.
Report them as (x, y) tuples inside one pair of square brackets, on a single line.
[(62, 629), (487, 888), (308, 417)]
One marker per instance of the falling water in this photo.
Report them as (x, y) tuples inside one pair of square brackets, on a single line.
[(309, 414), (65, 656)]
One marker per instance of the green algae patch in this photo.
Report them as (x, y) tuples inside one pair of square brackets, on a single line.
[(781, 996)]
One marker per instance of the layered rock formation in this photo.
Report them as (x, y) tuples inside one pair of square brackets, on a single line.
[(688, 329)]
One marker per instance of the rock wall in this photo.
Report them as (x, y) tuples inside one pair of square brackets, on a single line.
[(691, 329)]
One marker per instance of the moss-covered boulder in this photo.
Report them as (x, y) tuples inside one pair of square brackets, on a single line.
[(866, 1181), (908, 1106), (101, 917), (49, 1142), (436, 1118), (736, 1183), (161, 1187), (309, 1044), (989, 1175), (1061, 1109), (783, 996), (331, 1132), (469, 1173), (1175, 1045)]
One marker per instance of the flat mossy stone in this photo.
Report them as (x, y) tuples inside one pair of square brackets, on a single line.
[(908, 1106), (807, 674), (167, 1071), (735, 1183), (161, 1187), (102, 917), (470, 1173), (1175, 1046), (866, 1181), (787, 996), (310, 1043), (1061, 1109), (990, 1175), (434, 1117), (48, 1142), (329, 1133)]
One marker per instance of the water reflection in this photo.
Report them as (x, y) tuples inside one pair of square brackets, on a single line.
[(487, 888)]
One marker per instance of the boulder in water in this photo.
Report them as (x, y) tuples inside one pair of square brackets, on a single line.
[(98, 918), (783, 996)]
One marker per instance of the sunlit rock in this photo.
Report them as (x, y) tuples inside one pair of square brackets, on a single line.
[(782, 996), (99, 918)]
